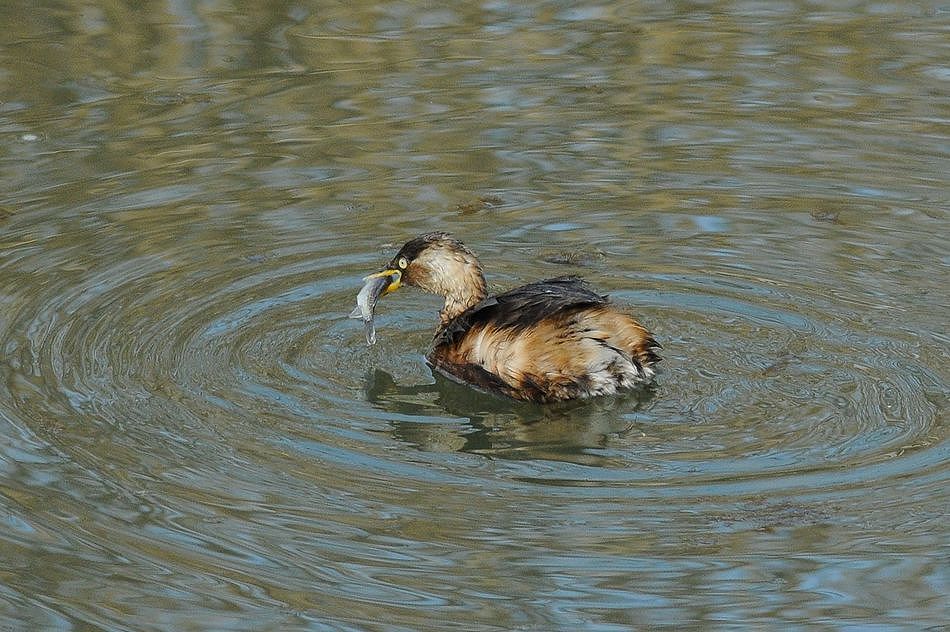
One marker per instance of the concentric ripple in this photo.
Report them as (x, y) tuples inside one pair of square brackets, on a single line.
[(765, 386), (215, 395)]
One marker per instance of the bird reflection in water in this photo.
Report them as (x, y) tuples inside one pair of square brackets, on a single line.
[(461, 419)]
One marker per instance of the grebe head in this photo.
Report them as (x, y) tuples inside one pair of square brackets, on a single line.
[(440, 264)]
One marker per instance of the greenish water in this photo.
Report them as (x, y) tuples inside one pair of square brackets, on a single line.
[(194, 437)]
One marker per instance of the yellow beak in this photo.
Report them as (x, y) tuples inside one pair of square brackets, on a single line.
[(394, 285)]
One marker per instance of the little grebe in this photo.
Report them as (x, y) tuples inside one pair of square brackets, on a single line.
[(546, 341)]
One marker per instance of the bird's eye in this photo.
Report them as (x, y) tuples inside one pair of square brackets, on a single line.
[(403, 263)]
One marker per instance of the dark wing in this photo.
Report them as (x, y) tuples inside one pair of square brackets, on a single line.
[(524, 306)]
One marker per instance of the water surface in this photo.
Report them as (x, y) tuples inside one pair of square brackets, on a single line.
[(195, 437)]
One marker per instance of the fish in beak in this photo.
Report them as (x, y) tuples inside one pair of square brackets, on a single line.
[(374, 286)]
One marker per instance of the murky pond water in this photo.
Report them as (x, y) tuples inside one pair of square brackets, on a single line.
[(194, 437)]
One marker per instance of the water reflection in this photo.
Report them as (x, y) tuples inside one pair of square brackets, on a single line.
[(501, 428)]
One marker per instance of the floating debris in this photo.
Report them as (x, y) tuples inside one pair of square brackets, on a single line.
[(483, 203)]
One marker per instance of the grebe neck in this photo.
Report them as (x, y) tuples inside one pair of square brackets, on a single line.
[(461, 298)]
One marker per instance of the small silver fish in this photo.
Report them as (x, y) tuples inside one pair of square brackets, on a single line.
[(372, 289)]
